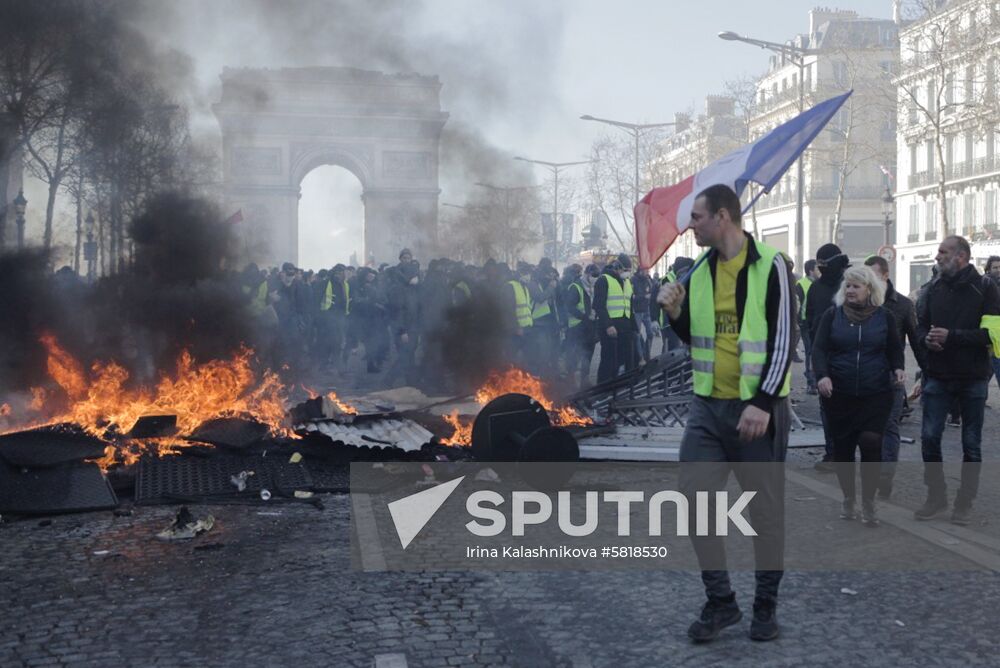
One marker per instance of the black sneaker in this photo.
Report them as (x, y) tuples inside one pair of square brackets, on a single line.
[(765, 620), (825, 466), (962, 515), (717, 614), (931, 509), (847, 511), (868, 515)]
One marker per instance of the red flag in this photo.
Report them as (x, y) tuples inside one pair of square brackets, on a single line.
[(235, 218)]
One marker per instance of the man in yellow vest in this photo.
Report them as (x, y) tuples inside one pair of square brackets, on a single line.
[(614, 312), (519, 308), (737, 315)]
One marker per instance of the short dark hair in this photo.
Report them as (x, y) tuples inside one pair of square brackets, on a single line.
[(990, 260), (810, 265), (961, 242), (721, 196), (878, 261)]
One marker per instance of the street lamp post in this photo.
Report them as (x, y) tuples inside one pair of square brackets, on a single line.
[(797, 56), (555, 167), (887, 206), (636, 129), (20, 204)]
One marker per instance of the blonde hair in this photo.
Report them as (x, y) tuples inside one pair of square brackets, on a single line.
[(865, 276)]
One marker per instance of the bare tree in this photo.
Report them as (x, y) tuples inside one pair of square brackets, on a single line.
[(611, 179), (743, 91), (952, 82)]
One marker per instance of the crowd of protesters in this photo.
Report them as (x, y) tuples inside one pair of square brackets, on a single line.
[(390, 318)]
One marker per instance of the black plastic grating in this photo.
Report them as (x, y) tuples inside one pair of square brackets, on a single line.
[(67, 489), (170, 479)]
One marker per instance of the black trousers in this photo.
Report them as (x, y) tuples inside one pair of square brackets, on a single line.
[(617, 350)]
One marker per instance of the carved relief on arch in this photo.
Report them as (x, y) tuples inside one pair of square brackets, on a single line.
[(358, 159)]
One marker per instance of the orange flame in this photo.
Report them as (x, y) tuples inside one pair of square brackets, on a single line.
[(521, 382), (100, 402), (4, 410), (344, 408), (463, 432)]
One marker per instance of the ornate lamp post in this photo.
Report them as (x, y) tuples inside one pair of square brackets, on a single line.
[(20, 204), (887, 206)]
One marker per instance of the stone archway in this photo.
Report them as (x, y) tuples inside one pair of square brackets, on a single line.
[(278, 125)]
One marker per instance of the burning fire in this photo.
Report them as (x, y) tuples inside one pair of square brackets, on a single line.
[(522, 382), (346, 409), (463, 432), (101, 403), (332, 398)]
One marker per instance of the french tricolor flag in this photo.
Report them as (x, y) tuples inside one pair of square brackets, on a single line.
[(664, 213)]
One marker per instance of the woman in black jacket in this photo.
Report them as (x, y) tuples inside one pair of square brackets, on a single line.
[(858, 357)]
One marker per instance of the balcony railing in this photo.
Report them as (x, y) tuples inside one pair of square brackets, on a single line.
[(853, 193), (957, 170)]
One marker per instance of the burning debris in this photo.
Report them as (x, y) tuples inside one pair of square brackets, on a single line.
[(512, 381)]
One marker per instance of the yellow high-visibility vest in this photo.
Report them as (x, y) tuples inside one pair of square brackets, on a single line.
[(752, 342), (619, 299), (522, 304)]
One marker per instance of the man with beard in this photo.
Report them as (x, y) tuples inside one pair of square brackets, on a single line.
[(950, 324), (831, 263)]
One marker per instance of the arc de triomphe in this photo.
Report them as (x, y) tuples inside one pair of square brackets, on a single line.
[(278, 125)]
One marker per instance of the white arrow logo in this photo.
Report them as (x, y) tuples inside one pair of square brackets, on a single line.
[(412, 512)]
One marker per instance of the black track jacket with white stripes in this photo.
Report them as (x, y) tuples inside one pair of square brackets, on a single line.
[(780, 306)]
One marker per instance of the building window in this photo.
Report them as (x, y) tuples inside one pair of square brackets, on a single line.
[(930, 158), (990, 210), (913, 159), (913, 234), (970, 84), (969, 214), (930, 226), (951, 224), (840, 72)]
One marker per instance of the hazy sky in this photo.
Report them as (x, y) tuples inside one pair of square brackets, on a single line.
[(520, 71)]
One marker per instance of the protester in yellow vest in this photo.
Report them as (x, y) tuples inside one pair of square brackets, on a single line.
[(615, 324), (737, 315), (520, 308)]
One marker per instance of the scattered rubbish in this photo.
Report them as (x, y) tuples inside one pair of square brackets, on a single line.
[(849, 592), (265, 495), (805, 498), (240, 480), (906, 439), (101, 553), (295, 458), (185, 526), (269, 513), (899, 623), (299, 494), (487, 475)]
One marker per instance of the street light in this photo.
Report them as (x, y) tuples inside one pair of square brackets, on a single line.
[(797, 56), (636, 129), (887, 207), (20, 204), (555, 167), (90, 248)]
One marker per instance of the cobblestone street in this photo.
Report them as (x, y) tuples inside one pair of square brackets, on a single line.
[(273, 585)]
